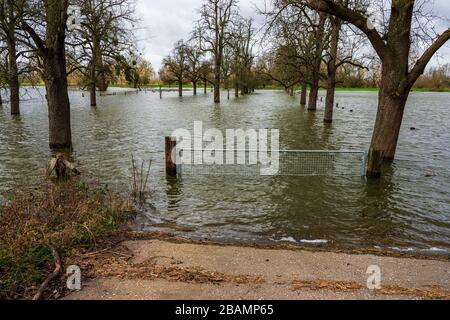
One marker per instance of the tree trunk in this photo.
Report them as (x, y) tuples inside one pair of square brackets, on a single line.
[(331, 68), (195, 88), (316, 62), (388, 122), (217, 84), (102, 84), (93, 95), (329, 104), (180, 88), (236, 89), (313, 94), (13, 72), (92, 86), (205, 82), (60, 135), (303, 95), (13, 75)]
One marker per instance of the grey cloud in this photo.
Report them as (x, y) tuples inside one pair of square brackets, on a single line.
[(166, 21)]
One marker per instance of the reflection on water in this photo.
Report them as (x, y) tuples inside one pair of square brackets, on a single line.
[(408, 208)]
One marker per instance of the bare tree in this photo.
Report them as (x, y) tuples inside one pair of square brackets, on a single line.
[(279, 67), (343, 49), (194, 60), (105, 32), (392, 42), (212, 31), (177, 64), (299, 38), (205, 74), (45, 23), (9, 21)]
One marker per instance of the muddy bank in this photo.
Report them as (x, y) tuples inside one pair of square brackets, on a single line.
[(175, 269)]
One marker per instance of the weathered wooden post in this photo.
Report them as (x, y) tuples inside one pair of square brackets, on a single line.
[(160, 92), (171, 166), (374, 163)]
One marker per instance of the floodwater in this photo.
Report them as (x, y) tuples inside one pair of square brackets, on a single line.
[(408, 210)]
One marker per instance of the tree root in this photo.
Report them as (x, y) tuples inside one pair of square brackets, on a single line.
[(54, 274)]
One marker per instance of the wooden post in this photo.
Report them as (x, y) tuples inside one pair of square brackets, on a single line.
[(171, 167), (374, 163), (160, 92)]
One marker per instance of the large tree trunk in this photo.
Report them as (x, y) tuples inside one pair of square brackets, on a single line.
[(388, 122), (331, 68), (303, 95), (13, 75), (55, 78), (195, 88)]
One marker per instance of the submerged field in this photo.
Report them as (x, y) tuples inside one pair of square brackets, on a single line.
[(408, 210)]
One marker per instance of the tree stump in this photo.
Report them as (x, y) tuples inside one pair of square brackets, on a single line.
[(62, 167)]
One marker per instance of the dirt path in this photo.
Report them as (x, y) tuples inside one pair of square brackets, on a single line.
[(155, 269)]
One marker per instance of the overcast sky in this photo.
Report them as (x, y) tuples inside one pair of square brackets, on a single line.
[(166, 21)]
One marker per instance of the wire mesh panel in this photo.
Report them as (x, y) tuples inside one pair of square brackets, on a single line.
[(282, 162)]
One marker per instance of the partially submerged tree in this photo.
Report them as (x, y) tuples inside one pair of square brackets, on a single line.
[(9, 22), (392, 42), (194, 63), (177, 64), (45, 23), (298, 36), (212, 32), (104, 33), (205, 74), (343, 50)]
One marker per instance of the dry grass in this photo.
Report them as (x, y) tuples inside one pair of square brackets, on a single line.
[(432, 293), (321, 284), (64, 215), (118, 263)]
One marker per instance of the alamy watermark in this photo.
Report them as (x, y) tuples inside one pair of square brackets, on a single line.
[(73, 274), (238, 147), (374, 277)]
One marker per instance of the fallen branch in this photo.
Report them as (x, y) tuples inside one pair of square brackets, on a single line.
[(54, 274)]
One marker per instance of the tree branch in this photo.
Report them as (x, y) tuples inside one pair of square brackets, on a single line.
[(351, 16), (421, 64)]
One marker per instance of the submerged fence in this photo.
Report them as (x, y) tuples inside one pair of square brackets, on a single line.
[(283, 162)]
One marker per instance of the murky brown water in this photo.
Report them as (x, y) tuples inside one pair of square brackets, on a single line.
[(407, 210)]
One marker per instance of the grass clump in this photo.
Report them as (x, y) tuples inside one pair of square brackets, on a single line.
[(66, 216)]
